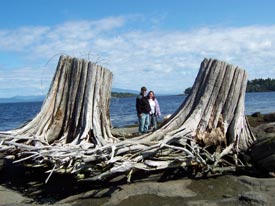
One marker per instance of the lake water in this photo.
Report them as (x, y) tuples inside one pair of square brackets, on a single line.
[(122, 110)]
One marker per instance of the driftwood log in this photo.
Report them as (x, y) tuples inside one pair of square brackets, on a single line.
[(72, 133)]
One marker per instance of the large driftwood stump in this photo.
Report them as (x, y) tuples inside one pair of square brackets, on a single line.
[(72, 132), (214, 111), (76, 109)]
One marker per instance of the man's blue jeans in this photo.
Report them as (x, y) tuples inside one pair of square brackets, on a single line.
[(143, 123)]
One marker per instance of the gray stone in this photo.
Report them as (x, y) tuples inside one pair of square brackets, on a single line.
[(254, 198)]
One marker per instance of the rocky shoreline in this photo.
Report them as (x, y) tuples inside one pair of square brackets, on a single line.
[(19, 188), (221, 190)]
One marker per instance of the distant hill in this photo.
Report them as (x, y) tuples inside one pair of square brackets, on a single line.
[(116, 92), (122, 94), (39, 98)]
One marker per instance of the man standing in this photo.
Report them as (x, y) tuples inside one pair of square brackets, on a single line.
[(143, 110)]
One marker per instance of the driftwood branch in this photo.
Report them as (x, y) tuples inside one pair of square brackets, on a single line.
[(72, 132)]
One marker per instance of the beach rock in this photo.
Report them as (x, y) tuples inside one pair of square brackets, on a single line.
[(257, 114), (264, 131), (125, 132), (260, 191), (10, 197), (254, 198), (263, 153), (270, 117), (1, 161), (220, 190)]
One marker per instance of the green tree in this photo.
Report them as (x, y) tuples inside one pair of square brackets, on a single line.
[(187, 90), (261, 85)]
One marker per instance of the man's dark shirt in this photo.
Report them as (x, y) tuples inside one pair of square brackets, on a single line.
[(142, 104)]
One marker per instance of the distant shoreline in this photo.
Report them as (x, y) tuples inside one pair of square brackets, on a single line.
[(40, 98)]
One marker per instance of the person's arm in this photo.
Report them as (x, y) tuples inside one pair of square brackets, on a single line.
[(138, 106), (158, 113)]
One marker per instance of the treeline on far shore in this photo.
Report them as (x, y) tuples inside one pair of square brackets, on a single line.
[(122, 94), (261, 85), (255, 85)]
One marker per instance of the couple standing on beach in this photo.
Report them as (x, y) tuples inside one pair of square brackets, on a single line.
[(148, 110)]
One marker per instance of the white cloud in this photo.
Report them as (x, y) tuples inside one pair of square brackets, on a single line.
[(166, 61), (20, 39), (22, 80)]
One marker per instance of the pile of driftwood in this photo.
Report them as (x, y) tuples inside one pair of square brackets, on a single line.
[(72, 133)]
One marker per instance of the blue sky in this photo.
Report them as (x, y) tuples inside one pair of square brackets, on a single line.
[(159, 44)]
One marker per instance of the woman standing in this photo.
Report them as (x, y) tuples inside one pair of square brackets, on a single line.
[(155, 110)]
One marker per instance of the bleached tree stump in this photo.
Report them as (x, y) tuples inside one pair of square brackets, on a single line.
[(214, 111), (76, 109), (72, 132)]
